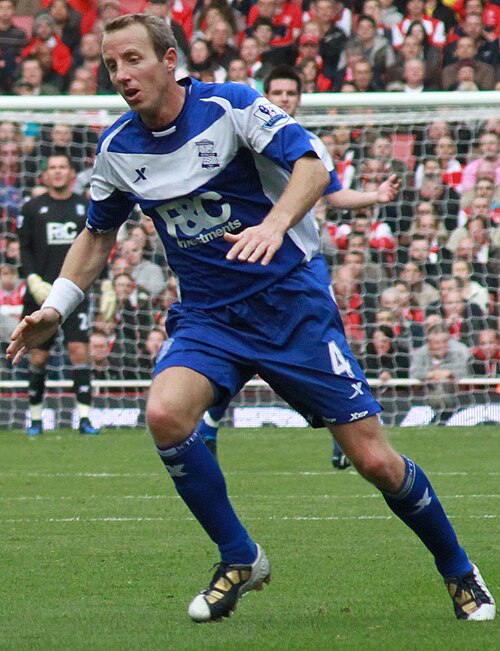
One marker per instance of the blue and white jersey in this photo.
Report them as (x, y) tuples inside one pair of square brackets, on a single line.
[(218, 168)]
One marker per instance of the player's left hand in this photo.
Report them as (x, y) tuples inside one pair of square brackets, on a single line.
[(255, 243), (388, 190)]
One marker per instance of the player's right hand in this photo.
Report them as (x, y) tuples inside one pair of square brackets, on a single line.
[(33, 330), (39, 289)]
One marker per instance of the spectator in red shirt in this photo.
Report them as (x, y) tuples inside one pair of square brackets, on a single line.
[(44, 31), (489, 12), (286, 18), (416, 11)]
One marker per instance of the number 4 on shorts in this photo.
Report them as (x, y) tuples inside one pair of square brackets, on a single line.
[(340, 364)]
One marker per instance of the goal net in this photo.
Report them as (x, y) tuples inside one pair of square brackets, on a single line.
[(425, 267)]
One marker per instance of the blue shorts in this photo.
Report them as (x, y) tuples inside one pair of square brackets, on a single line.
[(290, 334)]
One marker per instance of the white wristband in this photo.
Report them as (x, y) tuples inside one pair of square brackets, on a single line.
[(64, 297)]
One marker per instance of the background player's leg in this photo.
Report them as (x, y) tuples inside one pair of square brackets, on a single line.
[(339, 459), (208, 427), (36, 391), (80, 361), (178, 397)]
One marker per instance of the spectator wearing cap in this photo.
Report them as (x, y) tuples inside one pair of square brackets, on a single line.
[(309, 49), (44, 32), (466, 53)]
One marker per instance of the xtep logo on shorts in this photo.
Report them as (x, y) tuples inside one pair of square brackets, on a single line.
[(270, 115), (357, 415), (198, 218)]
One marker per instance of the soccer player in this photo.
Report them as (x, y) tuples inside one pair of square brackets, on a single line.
[(229, 180), (47, 227), (283, 87)]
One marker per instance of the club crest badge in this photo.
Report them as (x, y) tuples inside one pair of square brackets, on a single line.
[(209, 157)]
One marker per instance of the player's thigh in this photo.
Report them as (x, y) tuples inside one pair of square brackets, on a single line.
[(77, 325), (177, 399)]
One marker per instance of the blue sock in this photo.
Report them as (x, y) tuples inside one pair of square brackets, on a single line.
[(418, 507), (200, 483)]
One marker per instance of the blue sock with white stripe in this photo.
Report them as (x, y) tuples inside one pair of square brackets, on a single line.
[(417, 505), (200, 483)]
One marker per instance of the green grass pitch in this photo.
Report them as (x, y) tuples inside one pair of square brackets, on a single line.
[(97, 551)]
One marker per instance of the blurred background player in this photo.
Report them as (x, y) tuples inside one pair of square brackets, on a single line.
[(48, 225), (283, 87)]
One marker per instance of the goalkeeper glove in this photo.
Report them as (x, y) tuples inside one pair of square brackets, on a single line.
[(107, 304), (39, 289)]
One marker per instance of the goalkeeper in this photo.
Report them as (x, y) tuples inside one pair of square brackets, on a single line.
[(47, 227)]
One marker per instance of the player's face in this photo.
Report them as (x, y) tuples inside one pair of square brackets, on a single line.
[(284, 93), (59, 174), (137, 74)]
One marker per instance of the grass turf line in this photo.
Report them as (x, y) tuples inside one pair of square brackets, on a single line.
[(97, 551)]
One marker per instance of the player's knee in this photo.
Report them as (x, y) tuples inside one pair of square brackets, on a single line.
[(166, 424), (381, 469)]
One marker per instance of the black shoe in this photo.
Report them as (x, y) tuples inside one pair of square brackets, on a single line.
[(340, 461), (230, 582), (471, 598)]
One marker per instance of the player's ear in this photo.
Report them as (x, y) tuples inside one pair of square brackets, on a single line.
[(170, 59)]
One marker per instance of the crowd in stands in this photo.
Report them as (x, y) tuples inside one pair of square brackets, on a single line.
[(420, 275)]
